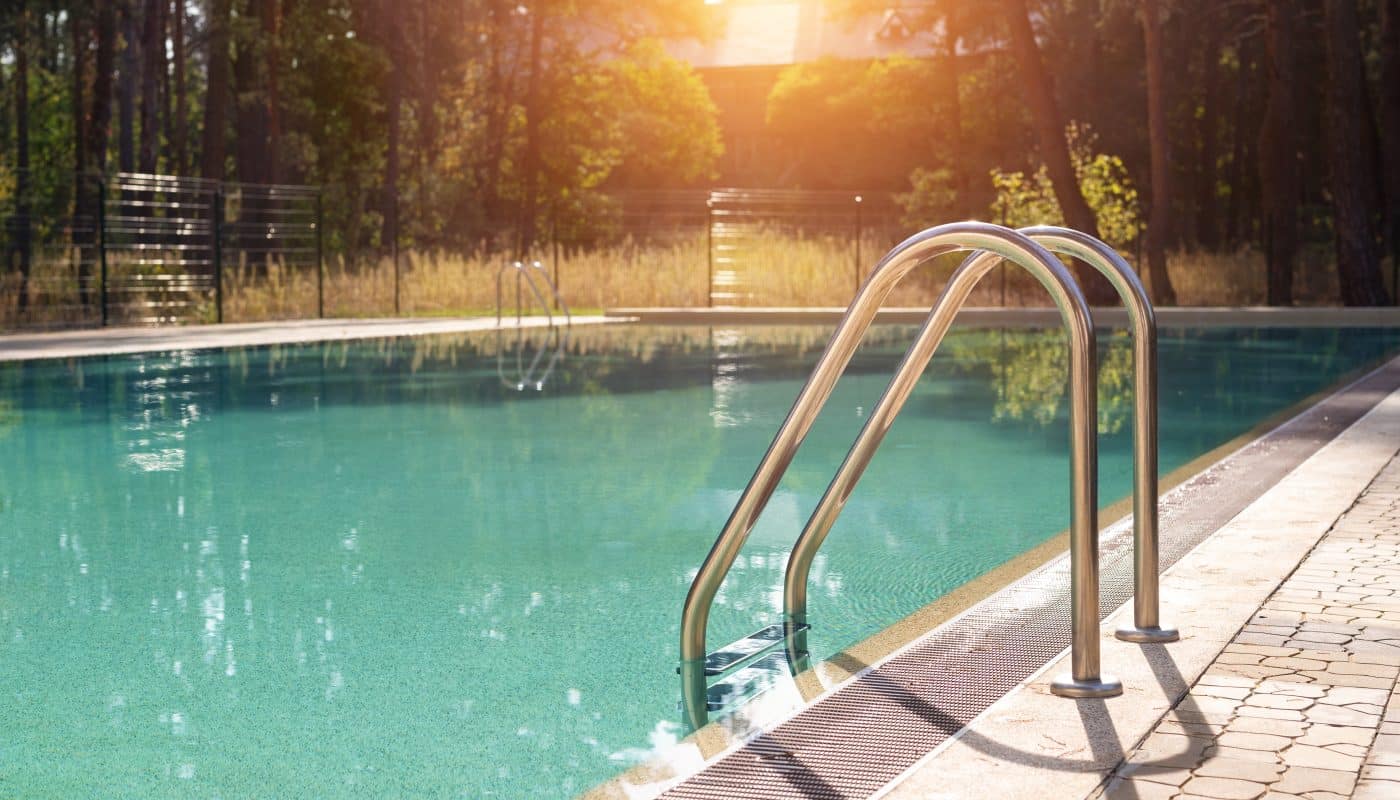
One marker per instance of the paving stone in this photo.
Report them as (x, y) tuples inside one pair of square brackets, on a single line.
[(1257, 771), (1295, 689), (1379, 772), (1340, 715), (1302, 755), (1254, 741), (1346, 695), (1367, 789), (1271, 713), (1324, 735), (1283, 701), (1293, 662), (1302, 780), (1170, 750), (1240, 754), (1277, 727), (1224, 788), (1171, 776), (1121, 789)]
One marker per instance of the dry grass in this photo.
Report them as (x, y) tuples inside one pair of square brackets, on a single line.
[(774, 271)]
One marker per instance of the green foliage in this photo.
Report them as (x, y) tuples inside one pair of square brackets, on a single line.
[(932, 199), (1030, 199), (669, 127)]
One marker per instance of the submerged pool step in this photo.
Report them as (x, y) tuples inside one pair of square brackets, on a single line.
[(747, 683), (751, 646)]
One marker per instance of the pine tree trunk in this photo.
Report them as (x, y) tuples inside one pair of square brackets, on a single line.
[(1208, 133), (1390, 126), (1159, 283), (250, 103), (1280, 192), (23, 180), (1054, 149), (272, 33), (99, 126), (180, 134), (1357, 265), (153, 56), (216, 100), (533, 111), (126, 102), (962, 183)]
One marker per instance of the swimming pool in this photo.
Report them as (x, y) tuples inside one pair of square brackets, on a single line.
[(371, 569)]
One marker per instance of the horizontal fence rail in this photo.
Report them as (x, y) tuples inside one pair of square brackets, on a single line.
[(142, 249)]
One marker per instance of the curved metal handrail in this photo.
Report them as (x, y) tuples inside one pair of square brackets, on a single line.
[(1103, 258), (526, 377), (999, 242), (1146, 627)]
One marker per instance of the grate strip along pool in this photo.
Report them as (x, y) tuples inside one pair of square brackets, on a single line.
[(858, 738)]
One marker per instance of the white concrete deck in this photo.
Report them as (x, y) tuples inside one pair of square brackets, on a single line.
[(113, 341)]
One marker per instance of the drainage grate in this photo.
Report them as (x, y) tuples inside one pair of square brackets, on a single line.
[(855, 740)]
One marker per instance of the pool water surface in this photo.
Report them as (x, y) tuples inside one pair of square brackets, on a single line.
[(373, 569)]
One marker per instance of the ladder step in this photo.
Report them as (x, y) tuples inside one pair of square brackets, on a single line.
[(755, 644), (747, 683)]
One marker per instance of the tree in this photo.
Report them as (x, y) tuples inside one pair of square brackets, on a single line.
[(1039, 94), (1390, 122), (1357, 266), (1278, 154), (23, 177), (1159, 283), (214, 137)]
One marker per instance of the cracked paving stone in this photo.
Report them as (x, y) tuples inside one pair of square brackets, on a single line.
[(1257, 771), (1302, 755), (1224, 788), (1254, 741), (1306, 780)]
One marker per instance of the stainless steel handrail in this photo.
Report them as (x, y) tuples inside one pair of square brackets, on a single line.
[(998, 242), (1146, 627), (526, 378)]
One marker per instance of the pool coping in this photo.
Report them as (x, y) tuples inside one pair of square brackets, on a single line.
[(128, 340), (1167, 317), (1280, 450)]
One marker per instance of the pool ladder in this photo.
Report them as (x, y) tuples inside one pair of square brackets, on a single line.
[(556, 339), (1031, 249)]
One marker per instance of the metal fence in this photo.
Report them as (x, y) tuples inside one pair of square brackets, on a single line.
[(138, 249)]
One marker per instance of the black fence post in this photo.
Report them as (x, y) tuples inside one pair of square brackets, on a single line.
[(859, 201), (101, 220), (554, 242), (394, 249), (320, 259), (710, 253), (218, 210)]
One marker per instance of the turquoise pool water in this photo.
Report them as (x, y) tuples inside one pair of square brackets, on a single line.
[(370, 570)]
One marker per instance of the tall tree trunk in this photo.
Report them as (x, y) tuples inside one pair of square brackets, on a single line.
[(250, 106), (496, 103), (392, 166), (271, 11), (99, 125), (1159, 283), (1280, 192), (216, 100), (126, 102), (1208, 133), (153, 56), (180, 129), (533, 111), (952, 71), (1390, 126), (23, 183), (1054, 149), (1357, 266), (77, 29)]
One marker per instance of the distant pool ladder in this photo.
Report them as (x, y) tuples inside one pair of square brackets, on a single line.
[(556, 339), (1031, 249)]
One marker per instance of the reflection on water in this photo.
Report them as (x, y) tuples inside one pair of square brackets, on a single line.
[(371, 568)]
